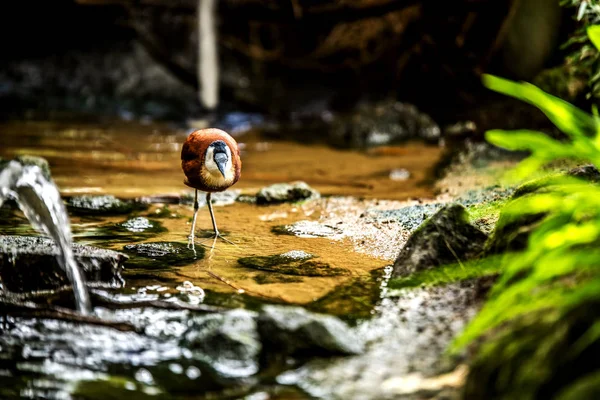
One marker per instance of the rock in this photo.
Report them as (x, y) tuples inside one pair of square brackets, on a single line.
[(354, 300), (39, 161), (286, 193), (273, 277), (161, 255), (445, 238), (586, 172), (406, 338), (382, 124), (29, 264), (142, 224), (307, 229), (102, 205), (512, 232), (295, 330), (296, 262), (227, 342)]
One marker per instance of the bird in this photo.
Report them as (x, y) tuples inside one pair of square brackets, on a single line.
[(210, 159)]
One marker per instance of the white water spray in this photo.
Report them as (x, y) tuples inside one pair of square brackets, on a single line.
[(208, 62), (41, 203)]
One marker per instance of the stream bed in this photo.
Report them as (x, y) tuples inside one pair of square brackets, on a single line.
[(295, 308)]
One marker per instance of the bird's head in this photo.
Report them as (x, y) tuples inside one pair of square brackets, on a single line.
[(218, 158), (210, 160)]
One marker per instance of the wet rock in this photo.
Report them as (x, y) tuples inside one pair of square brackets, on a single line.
[(227, 342), (382, 124), (354, 300), (67, 357), (410, 218), (286, 193), (586, 172), (296, 262), (406, 338), (30, 264), (445, 238), (102, 205), (294, 330), (161, 255), (307, 229), (272, 277), (141, 224), (39, 161), (512, 232)]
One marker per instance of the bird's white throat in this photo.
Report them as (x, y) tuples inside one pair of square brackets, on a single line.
[(214, 176)]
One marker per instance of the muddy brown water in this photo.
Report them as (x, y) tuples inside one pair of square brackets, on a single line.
[(131, 160)]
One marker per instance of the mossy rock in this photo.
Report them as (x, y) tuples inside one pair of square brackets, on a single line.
[(42, 163), (445, 238), (512, 233), (292, 263), (286, 193), (588, 173), (103, 205), (128, 231), (354, 300), (272, 277), (161, 255)]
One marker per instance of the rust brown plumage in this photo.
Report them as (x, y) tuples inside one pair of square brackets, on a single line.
[(193, 156), (210, 159)]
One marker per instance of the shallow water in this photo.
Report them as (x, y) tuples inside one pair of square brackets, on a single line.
[(342, 229), (133, 160)]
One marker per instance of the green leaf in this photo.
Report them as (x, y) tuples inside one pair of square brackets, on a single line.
[(568, 118), (593, 33)]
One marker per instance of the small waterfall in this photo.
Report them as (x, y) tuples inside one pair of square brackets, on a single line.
[(208, 61), (41, 203)]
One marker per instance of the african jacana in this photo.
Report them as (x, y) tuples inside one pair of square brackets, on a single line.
[(210, 159)]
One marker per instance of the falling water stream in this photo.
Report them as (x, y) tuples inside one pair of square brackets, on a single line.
[(41, 203)]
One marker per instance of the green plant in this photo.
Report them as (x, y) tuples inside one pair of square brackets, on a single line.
[(560, 268)]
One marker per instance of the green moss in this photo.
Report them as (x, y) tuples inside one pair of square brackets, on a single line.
[(352, 301), (115, 387), (448, 274), (161, 255), (292, 263), (273, 277)]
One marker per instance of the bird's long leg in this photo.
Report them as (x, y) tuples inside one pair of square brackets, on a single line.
[(196, 207), (214, 221), (212, 215)]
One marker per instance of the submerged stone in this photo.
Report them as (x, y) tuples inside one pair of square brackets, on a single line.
[(273, 277), (103, 205), (29, 264), (292, 263), (307, 229), (161, 255), (142, 224), (286, 193), (445, 238), (294, 330), (354, 300), (227, 342)]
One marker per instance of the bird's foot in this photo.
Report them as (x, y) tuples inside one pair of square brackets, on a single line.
[(215, 238)]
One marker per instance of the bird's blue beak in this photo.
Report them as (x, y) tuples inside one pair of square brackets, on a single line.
[(221, 161)]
